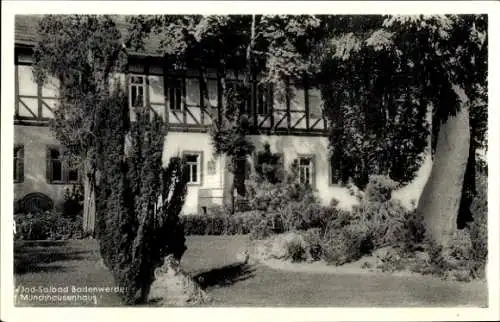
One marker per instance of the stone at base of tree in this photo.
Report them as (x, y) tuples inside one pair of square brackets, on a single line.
[(173, 287), (243, 256)]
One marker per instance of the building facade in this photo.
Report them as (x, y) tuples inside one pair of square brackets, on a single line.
[(188, 101)]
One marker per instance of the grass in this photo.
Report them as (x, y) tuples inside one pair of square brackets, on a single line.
[(213, 258)]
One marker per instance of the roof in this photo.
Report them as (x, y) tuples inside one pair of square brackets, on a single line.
[(25, 32)]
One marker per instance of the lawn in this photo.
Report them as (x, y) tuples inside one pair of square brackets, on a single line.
[(74, 263)]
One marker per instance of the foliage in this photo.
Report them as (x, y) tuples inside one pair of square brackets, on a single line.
[(265, 196), (139, 200), (296, 251), (239, 223), (479, 227), (312, 238), (48, 225), (389, 260), (346, 245), (273, 47), (80, 53), (263, 229), (73, 201), (269, 166), (376, 223), (467, 255), (389, 71)]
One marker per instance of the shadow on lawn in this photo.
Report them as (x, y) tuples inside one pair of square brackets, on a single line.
[(35, 257), (225, 276)]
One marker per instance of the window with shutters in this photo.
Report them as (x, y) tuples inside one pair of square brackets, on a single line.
[(18, 163), (193, 161), (306, 168), (57, 170)]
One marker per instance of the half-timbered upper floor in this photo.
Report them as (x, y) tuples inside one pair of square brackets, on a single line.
[(187, 99)]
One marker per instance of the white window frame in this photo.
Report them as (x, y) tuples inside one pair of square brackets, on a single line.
[(190, 164), (136, 84), (308, 168)]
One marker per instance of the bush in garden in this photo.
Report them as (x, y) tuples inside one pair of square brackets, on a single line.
[(263, 229), (379, 188), (239, 223), (73, 201), (388, 222), (479, 227), (244, 222), (48, 225), (266, 196), (269, 166), (389, 259), (313, 240), (296, 250), (346, 245)]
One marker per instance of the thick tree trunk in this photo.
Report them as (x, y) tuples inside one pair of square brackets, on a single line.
[(89, 206), (440, 199)]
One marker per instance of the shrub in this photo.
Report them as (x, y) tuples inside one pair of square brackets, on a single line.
[(262, 195), (73, 201), (479, 227), (239, 223), (244, 222), (312, 238), (389, 259), (296, 250), (379, 188), (262, 230), (387, 221), (286, 246), (47, 225), (346, 245)]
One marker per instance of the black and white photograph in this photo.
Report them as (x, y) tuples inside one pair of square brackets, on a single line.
[(258, 159)]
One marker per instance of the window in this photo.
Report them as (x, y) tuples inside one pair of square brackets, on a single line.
[(193, 165), (175, 94), (237, 87), (56, 165), (137, 91), (306, 170), (264, 100), (335, 170), (18, 163), (315, 103), (57, 170)]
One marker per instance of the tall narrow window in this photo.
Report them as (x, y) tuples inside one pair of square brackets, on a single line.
[(193, 165), (264, 99), (18, 164), (57, 170), (335, 170), (306, 170), (56, 166), (175, 87), (137, 90)]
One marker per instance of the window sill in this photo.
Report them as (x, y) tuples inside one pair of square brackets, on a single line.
[(194, 184)]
